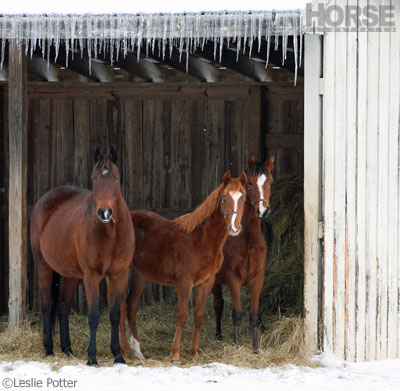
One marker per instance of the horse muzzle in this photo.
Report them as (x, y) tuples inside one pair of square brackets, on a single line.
[(264, 215), (232, 232), (105, 216)]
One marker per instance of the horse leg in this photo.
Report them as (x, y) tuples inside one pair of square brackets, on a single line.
[(254, 307), (68, 287), (234, 287), (138, 283), (45, 279), (183, 291), (200, 298), (91, 282), (218, 308), (115, 285)]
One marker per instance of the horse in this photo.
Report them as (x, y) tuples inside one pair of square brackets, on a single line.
[(244, 256), (83, 234), (184, 252)]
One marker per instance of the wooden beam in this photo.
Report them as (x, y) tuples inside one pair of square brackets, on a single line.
[(97, 69), (145, 68), (251, 67), (198, 67), (40, 67), (17, 104)]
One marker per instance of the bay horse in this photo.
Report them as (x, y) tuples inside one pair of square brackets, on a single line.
[(244, 256), (184, 252), (83, 234)]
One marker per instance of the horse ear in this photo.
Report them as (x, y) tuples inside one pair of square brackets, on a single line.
[(243, 179), (112, 154), (98, 154), (251, 162), (227, 178), (269, 164)]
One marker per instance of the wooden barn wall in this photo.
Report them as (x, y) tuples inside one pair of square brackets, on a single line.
[(361, 272), (174, 145), (283, 110)]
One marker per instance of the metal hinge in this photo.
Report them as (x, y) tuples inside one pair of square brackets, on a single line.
[(320, 229)]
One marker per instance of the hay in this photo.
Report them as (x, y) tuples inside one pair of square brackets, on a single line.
[(283, 286), (281, 344)]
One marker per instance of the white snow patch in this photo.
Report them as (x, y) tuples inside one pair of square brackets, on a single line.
[(333, 375)]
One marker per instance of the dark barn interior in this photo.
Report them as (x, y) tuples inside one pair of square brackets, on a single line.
[(176, 133)]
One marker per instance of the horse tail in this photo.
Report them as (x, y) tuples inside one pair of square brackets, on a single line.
[(55, 291), (268, 232)]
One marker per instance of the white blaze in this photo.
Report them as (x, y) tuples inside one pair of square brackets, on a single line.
[(235, 196), (260, 183)]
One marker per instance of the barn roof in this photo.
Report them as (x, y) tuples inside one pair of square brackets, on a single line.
[(121, 34)]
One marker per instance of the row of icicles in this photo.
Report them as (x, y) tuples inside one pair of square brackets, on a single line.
[(115, 35)]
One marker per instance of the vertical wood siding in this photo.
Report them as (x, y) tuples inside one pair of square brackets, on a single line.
[(360, 279)]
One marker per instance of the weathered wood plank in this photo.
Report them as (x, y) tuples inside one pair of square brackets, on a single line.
[(312, 167), (329, 333), (180, 155), (361, 267), (174, 91), (252, 131), (394, 194), (340, 191), (383, 207), (17, 100), (351, 195), (372, 175), (133, 168)]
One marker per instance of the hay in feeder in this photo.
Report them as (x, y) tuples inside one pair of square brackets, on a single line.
[(284, 271)]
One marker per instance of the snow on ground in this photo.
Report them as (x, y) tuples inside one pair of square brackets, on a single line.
[(332, 375)]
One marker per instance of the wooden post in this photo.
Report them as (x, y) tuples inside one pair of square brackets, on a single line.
[(17, 109), (312, 167)]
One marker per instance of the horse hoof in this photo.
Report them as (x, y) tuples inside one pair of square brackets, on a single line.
[(119, 360), (50, 353), (92, 362), (218, 336), (176, 363), (68, 351)]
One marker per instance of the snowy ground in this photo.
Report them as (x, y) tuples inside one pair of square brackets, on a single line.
[(333, 375)]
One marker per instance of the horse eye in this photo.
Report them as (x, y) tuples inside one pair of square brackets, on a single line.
[(223, 201), (250, 184)]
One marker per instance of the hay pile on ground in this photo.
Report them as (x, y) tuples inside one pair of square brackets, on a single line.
[(283, 286), (281, 344)]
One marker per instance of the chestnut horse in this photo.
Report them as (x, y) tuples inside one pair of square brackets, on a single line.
[(244, 256), (185, 252), (83, 234)]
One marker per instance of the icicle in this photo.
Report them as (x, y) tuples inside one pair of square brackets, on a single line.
[(268, 37), (221, 38), (252, 32), (295, 47)]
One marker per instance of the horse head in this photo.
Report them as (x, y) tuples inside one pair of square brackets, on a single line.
[(105, 183), (259, 185), (232, 199)]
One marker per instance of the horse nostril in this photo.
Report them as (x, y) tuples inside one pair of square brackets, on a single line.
[(104, 215), (110, 211)]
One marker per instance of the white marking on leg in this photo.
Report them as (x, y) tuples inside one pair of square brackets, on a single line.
[(135, 348), (260, 183), (235, 196)]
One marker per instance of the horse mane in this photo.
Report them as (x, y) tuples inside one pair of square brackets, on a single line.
[(190, 221)]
